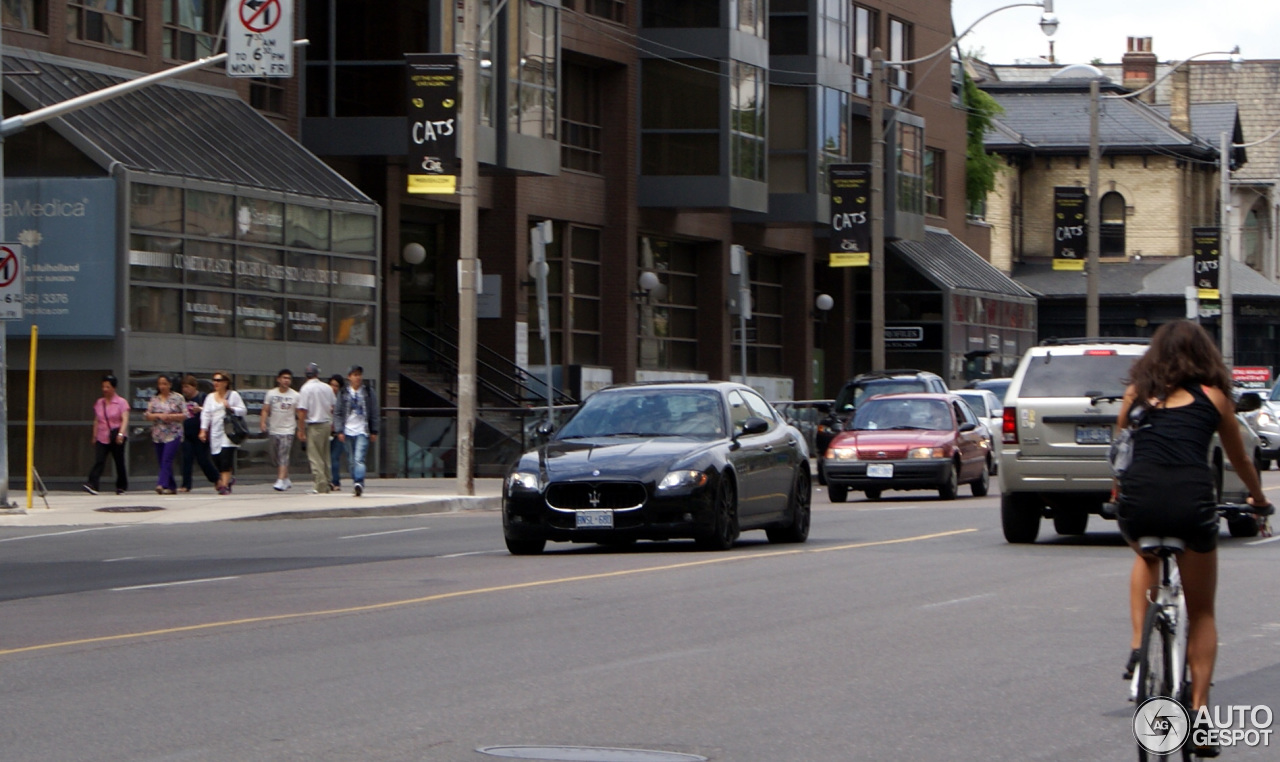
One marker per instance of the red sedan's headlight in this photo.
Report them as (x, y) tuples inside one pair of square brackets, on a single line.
[(927, 452)]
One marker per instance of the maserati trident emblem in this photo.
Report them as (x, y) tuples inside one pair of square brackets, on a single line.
[(593, 497)]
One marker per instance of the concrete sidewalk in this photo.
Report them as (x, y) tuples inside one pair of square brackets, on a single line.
[(382, 497)]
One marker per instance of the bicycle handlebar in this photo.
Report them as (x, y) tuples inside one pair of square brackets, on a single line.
[(1261, 510)]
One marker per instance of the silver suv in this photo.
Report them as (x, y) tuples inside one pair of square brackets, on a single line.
[(1059, 414)]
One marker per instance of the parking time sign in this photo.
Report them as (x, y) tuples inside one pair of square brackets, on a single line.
[(260, 38)]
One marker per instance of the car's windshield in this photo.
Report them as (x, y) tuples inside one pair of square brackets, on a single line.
[(882, 413), (1076, 375), (648, 413), (1275, 393), (852, 395)]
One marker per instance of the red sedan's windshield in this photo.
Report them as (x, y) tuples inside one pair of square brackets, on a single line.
[(881, 413)]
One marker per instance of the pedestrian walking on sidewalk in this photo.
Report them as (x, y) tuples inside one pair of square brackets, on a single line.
[(315, 424), (355, 418), (222, 402), (280, 421), (193, 449), (166, 410), (110, 420), (337, 383)]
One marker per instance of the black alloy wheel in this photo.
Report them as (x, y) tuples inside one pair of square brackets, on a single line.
[(724, 531), (800, 506)]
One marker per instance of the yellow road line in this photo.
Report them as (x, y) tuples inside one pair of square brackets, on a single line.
[(465, 593)]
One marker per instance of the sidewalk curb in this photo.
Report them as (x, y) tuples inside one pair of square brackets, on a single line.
[(438, 505)]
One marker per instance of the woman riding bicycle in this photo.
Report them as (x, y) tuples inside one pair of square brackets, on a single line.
[(1180, 394)]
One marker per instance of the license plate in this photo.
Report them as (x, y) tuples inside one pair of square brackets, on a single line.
[(593, 519), (1087, 433), (880, 470)]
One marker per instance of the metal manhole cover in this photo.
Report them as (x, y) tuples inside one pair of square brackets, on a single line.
[(587, 754), (129, 509)]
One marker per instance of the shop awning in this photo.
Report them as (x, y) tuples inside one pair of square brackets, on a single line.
[(943, 259), (176, 128), (1150, 277)]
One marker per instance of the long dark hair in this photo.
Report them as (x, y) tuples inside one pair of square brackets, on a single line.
[(1181, 353)]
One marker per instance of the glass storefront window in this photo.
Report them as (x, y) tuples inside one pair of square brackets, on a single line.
[(259, 269), (209, 264), (155, 259), (209, 214), (307, 321), (209, 313), (155, 310), (353, 324), (355, 279), (260, 221), (354, 233), (155, 207), (306, 227), (259, 317), (306, 274)]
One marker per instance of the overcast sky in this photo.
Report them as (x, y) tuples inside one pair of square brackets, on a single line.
[(1092, 29)]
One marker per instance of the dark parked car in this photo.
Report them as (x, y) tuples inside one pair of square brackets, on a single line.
[(910, 441), (661, 461), (997, 386), (862, 387)]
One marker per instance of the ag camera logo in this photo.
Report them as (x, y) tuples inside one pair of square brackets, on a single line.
[(1161, 725)]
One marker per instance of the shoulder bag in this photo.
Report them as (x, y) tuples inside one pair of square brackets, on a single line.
[(233, 425)]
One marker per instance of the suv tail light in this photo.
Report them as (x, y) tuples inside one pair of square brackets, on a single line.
[(1100, 352), (1009, 426)]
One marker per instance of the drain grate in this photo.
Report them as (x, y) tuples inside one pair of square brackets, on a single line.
[(129, 509), (587, 754)]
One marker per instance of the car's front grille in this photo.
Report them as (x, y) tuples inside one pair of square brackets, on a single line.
[(576, 496)]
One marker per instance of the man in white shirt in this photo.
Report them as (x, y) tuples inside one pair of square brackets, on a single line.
[(355, 419), (315, 424), (280, 422)]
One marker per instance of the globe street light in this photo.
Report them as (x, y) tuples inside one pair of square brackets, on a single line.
[(1092, 307), (1048, 24)]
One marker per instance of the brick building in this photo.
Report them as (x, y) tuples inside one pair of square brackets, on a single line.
[(1158, 179)]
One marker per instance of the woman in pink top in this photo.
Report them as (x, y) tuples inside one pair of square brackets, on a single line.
[(110, 419)]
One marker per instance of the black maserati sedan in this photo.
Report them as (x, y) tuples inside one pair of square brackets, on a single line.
[(657, 461)]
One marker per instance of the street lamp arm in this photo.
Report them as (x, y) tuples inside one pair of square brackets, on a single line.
[(1044, 22), (1233, 52)]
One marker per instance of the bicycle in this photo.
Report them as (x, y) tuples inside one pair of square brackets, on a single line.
[(1163, 671)]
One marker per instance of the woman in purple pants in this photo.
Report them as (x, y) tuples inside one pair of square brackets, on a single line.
[(166, 411)]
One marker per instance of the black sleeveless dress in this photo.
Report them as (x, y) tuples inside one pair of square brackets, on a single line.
[(1168, 490)]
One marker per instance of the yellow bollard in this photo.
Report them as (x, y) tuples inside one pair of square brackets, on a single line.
[(31, 414)]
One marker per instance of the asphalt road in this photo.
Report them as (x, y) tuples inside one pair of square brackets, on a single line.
[(905, 629)]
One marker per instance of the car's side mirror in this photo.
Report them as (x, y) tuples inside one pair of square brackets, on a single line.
[(847, 407), (1248, 402), (754, 425), (546, 429), (968, 426)]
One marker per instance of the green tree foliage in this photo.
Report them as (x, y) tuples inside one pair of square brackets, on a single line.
[(981, 168)]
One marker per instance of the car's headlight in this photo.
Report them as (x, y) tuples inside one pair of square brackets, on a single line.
[(842, 453), (926, 452), (1265, 419), (685, 479), (524, 480)]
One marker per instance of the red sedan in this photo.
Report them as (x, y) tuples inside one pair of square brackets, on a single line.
[(910, 441)]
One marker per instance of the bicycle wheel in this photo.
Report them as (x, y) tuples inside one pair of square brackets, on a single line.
[(1155, 664)]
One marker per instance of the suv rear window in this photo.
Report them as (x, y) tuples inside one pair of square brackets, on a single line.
[(1076, 375)]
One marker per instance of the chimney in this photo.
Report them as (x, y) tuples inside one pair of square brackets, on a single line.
[(1180, 100), (1139, 65)]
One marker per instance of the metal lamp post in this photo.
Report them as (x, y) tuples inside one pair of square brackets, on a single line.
[(1092, 302), (1048, 24)]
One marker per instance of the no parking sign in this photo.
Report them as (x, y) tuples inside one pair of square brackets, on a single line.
[(260, 38), (11, 277)]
